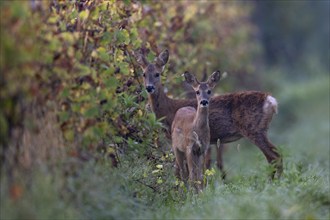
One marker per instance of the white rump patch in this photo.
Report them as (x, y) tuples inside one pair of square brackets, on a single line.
[(270, 104)]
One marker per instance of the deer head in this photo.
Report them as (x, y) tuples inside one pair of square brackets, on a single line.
[(203, 89), (152, 71)]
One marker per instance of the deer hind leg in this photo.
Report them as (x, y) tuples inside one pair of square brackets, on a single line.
[(220, 150), (269, 150), (179, 163)]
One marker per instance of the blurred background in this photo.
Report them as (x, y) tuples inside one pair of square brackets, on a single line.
[(72, 102)]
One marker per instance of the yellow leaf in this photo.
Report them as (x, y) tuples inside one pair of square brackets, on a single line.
[(159, 180), (69, 135), (111, 150), (140, 113), (155, 171), (192, 8)]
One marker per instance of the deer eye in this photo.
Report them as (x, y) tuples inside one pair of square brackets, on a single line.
[(197, 92), (209, 92), (144, 75), (157, 75)]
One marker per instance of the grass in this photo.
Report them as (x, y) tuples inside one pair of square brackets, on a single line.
[(98, 191)]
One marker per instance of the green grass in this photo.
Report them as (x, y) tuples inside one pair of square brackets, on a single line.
[(95, 190)]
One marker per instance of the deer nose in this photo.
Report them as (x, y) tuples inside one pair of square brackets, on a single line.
[(204, 103), (150, 89)]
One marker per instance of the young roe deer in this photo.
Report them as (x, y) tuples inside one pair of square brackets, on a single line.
[(231, 116), (191, 131)]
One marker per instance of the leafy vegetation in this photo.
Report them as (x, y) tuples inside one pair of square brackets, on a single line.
[(78, 142)]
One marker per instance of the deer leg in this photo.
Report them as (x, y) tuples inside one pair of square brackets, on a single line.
[(191, 161), (195, 166), (208, 158), (269, 150), (200, 169), (179, 162), (220, 161)]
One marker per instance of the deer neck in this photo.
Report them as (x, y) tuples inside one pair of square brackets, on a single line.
[(165, 107), (159, 102), (201, 120)]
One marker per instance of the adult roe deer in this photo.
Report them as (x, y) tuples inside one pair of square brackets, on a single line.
[(231, 116), (191, 131)]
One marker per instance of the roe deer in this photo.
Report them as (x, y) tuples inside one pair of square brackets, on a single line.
[(191, 131), (231, 116)]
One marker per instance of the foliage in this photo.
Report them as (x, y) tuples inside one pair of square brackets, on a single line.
[(202, 37), (84, 59)]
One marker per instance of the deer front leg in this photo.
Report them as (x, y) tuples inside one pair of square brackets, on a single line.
[(200, 173), (208, 158), (195, 167), (220, 149)]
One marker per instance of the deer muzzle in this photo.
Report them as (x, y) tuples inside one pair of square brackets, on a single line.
[(204, 103), (150, 88)]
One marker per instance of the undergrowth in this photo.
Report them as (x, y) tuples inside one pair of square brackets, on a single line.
[(140, 188)]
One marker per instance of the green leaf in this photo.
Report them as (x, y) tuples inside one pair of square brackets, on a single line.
[(95, 13), (118, 139), (151, 56), (111, 82), (124, 68), (63, 116), (102, 54), (69, 135), (76, 107), (67, 37), (127, 2), (135, 40), (106, 38), (84, 15), (109, 105), (123, 36), (91, 112), (65, 93), (98, 131), (19, 10)]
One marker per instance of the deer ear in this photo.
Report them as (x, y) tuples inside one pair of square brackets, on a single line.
[(162, 58), (214, 78), (191, 79), (141, 60)]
